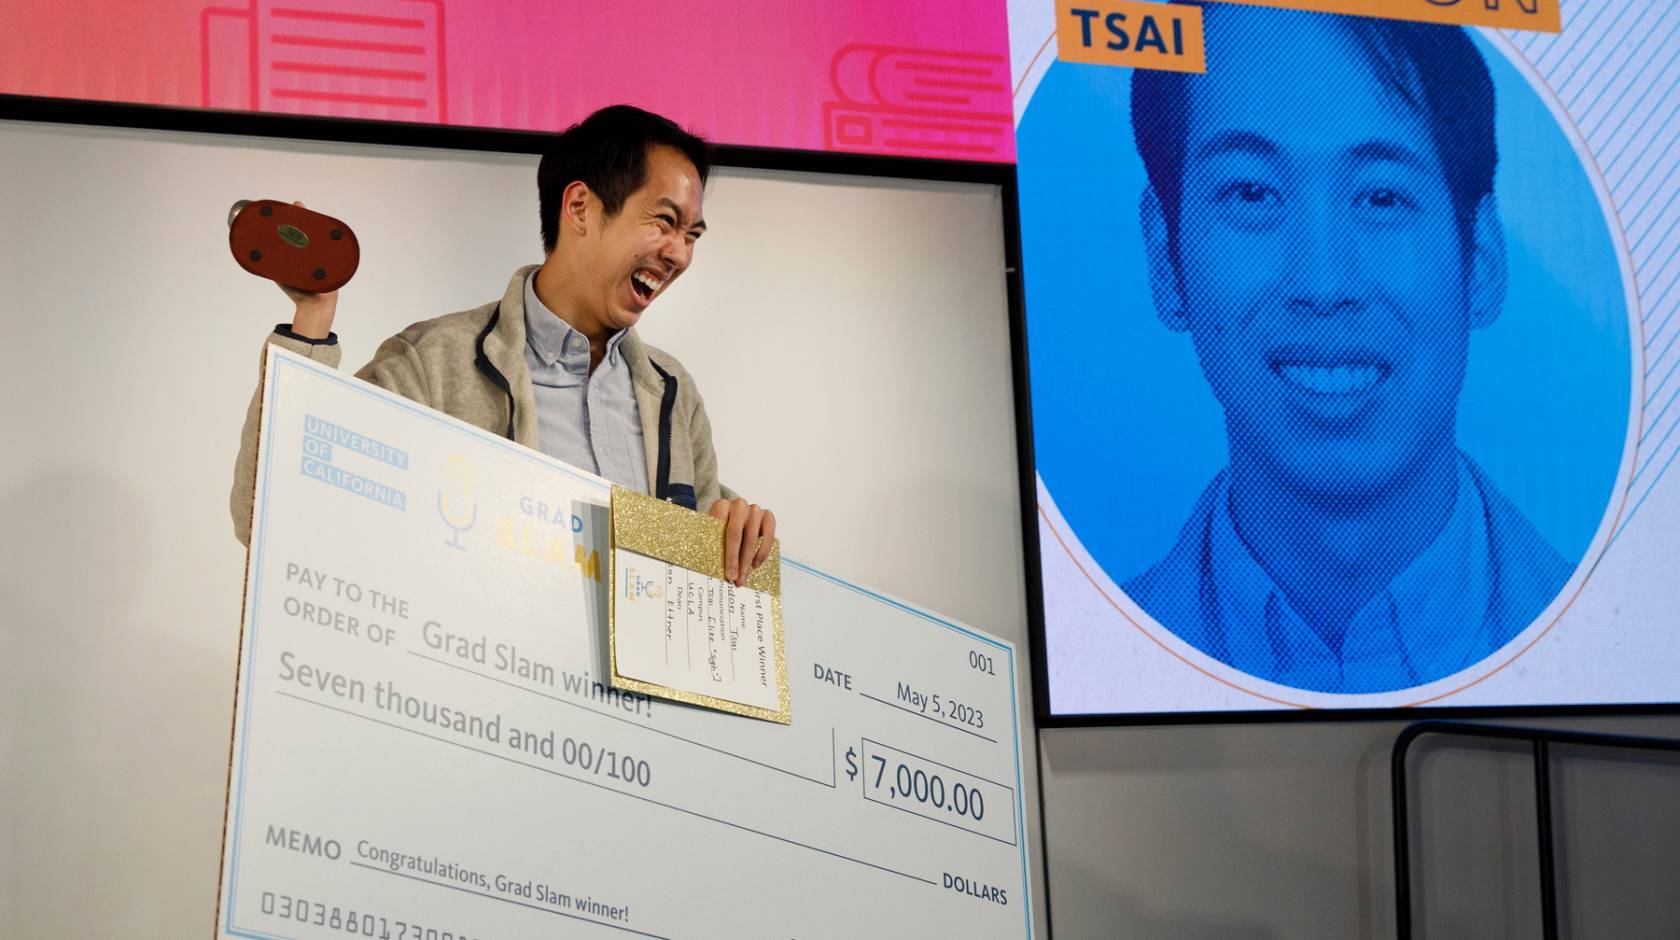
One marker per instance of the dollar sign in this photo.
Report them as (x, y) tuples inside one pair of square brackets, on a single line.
[(851, 764)]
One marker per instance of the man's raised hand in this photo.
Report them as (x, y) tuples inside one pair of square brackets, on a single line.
[(313, 318)]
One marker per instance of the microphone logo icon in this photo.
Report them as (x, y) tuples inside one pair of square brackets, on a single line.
[(455, 502)]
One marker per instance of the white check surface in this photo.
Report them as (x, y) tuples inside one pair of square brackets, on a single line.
[(424, 747)]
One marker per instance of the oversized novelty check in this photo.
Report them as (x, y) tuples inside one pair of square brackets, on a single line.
[(424, 748)]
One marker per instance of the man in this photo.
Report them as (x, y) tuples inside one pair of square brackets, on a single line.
[(1320, 219), (556, 363)]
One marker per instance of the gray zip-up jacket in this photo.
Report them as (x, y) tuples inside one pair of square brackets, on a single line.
[(472, 365)]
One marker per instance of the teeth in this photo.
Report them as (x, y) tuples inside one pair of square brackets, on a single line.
[(1332, 380), (646, 281)]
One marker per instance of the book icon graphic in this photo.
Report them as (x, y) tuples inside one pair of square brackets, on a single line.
[(920, 102), (372, 59)]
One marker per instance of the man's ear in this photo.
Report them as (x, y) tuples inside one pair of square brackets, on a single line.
[(1485, 271), (578, 207), (1163, 274)]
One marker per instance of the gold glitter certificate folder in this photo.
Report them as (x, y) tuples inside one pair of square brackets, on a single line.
[(678, 630)]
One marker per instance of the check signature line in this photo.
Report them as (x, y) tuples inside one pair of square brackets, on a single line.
[(605, 788), (942, 724), (534, 907), (581, 707)]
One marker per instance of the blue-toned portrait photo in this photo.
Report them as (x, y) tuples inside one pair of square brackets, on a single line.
[(1319, 223)]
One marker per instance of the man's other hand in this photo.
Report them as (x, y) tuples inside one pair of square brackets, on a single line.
[(748, 530)]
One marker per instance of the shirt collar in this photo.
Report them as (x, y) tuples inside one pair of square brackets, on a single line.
[(554, 340), (1415, 627)]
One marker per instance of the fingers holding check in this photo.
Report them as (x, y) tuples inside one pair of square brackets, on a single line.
[(766, 538), (748, 531)]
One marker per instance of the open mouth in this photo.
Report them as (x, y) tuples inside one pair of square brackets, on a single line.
[(1330, 373), (644, 284)]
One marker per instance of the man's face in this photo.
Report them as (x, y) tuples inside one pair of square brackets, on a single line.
[(1320, 273), (630, 258)]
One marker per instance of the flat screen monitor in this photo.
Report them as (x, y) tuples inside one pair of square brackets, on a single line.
[(1354, 369)]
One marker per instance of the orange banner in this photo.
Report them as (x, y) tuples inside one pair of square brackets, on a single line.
[(1129, 33), (1538, 15)]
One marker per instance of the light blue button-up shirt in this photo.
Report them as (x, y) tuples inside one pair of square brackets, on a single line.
[(1486, 576), (589, 421), (1421, 626)]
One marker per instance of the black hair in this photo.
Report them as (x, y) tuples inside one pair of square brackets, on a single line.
[(1434, 69), (608, 152)]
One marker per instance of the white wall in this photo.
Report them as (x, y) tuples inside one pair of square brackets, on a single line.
[(850, 337)]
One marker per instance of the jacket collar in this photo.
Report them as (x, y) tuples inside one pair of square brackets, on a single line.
[(503, 347), (642, 370)]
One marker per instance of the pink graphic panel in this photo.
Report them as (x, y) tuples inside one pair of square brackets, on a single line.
[(919, 102), (912, 77), (226, 54), (383, 61)]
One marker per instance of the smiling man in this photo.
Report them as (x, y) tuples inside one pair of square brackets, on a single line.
[(1320, 219), (556, 364)]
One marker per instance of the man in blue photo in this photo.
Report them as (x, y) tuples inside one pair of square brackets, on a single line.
[(1320, 219)]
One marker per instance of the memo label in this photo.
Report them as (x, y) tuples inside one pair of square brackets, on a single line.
[(292, 235)]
